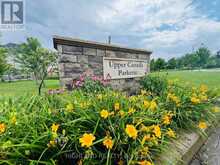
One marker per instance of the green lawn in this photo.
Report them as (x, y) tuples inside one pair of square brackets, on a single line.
[(196, 78), (210, 78), (24, 87)]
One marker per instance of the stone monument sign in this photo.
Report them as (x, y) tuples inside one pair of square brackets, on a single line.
[(122, 66)]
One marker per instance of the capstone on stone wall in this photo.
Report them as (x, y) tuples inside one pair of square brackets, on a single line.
[(77, 57)]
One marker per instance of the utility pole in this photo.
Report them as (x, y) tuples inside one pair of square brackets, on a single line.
[(109, 39)]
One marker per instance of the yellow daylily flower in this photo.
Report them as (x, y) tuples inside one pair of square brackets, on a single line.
[(55, 127), (87, 140), (171, 133), (108, 142), (131, 110), (104, 114), (146, 104), (131, 131), (117, 106), (153, 105), (69, 107), (13, 119), (144, 162), (2, 128), (202, 125), (195, 100), (157, 131)]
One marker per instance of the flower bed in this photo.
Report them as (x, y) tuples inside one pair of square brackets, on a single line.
[(105, 127)]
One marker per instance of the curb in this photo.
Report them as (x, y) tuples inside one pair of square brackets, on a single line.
[(182, 150)]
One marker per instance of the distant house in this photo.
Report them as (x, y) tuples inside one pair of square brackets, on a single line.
[(10, 45), (15, 74)]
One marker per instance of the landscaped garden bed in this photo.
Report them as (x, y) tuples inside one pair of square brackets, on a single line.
[(96, 125)]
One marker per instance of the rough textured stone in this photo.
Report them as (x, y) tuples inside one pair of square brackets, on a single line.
[(72, 68), (59, 48), (132, 56), (77, 60), (67, 58), (210, 151), (188, 144), (129, 80), (137, 79), (65, 81), (180, 149), (116, 84), (195, 162), (123, 85), (61, 69), (84, 66), (143, 56), (121, 54), (96, 66), (66, 49), (96, 59), (71, 74), (110, 53), (89, 51), (97, 72), (82, 59), (100, 52)]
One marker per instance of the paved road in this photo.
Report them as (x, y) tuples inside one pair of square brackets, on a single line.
[(209, 154)]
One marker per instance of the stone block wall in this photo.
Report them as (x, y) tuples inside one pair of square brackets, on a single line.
[(77, 57)]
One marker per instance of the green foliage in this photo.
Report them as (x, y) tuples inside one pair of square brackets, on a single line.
[(3, 61), (29, 138), (189, 61), (158, 64), (27, 135), (178, 97), (154, 84), (194, 78), (35, 59), (172, 63), (202, 58), (152, 66), (91, 84)]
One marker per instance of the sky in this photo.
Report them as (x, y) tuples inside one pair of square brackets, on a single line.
[(168, 28)]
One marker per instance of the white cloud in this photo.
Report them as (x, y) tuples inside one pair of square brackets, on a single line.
[(169, 27), (146, 14)]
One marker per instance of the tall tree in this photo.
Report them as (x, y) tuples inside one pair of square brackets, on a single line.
[(152, 65), (35, 59), (203, 53), (172, 63), (160, 64), (190, 60)]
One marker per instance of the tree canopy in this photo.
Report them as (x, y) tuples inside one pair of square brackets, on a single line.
[(201, 58), (3, 61), (36, 59)]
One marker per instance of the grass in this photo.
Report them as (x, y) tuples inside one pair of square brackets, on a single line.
[(24, 87), (195, 78)]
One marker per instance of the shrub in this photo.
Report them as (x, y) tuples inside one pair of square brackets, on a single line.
[(154, 84), (91, 84), (105, 127)]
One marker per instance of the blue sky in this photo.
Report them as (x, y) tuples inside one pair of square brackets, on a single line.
[(170, 28)]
